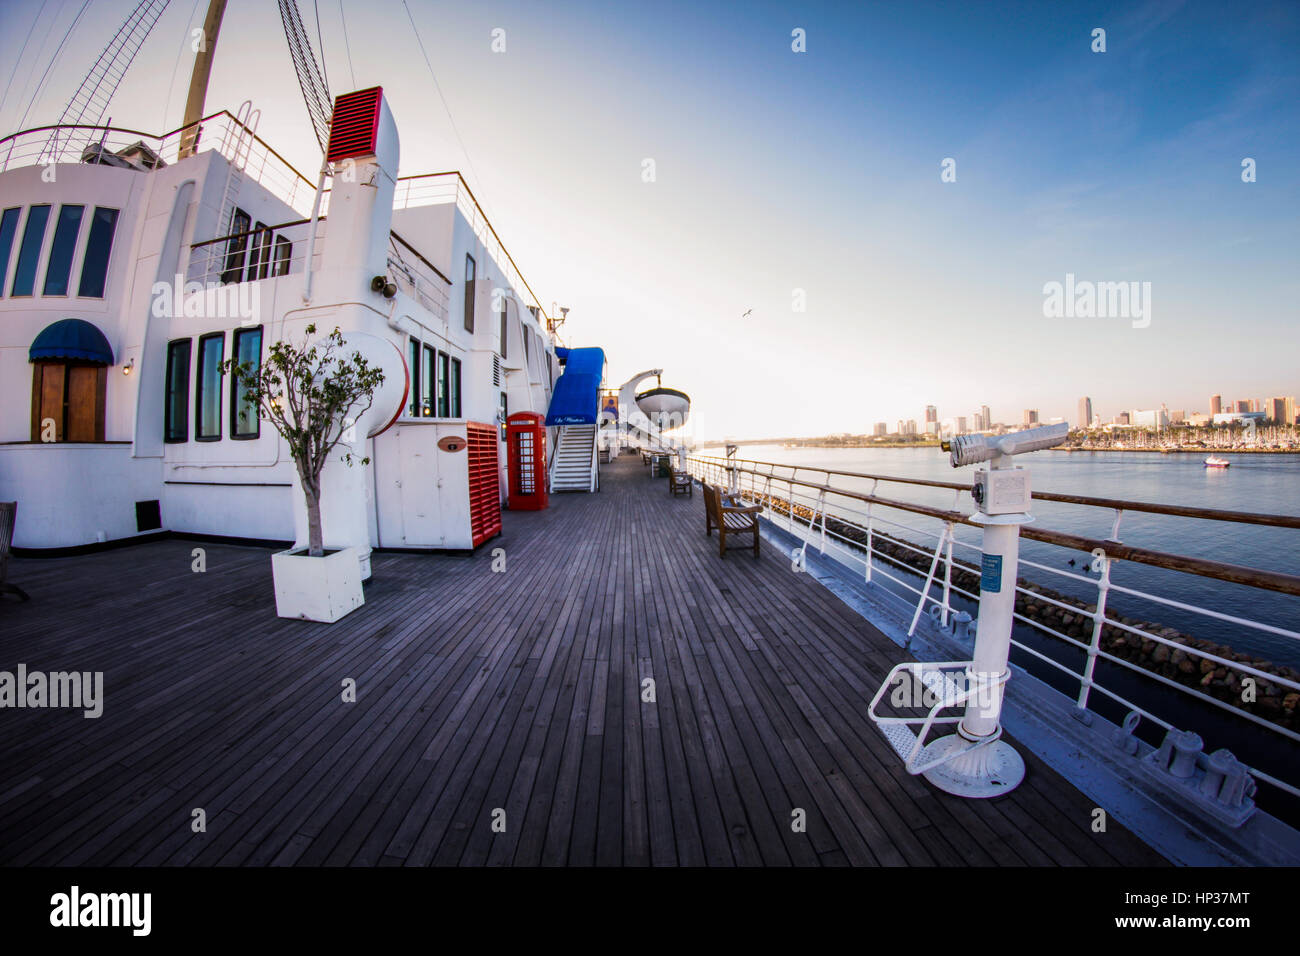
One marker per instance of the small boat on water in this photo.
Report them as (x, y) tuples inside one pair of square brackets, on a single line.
[(1215, 462)]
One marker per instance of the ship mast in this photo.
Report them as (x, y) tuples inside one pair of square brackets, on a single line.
[(199, 77)]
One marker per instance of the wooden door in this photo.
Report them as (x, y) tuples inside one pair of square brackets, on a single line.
[(72, 396), (48, 381), (85, 419)]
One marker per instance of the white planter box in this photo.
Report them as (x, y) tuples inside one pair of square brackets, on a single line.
[(317, 589)]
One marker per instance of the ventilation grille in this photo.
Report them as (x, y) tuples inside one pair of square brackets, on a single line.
[(496, 371), (148, 516), (484, 486), (354, 130)]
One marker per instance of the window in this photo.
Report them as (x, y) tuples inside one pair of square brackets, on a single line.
[(8, 228), (71, 395), (505, 410), (528, 346), (245, 422), (428, 405), (504, 330), (29, 252), (413, 361), (175, 407), (443, 407), (207, 388), (66, 230), (236, 246), (453, 386), (469, 293), (283, 255), (259, 263), (94, 266)]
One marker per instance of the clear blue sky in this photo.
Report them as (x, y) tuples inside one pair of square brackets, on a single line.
[(820, 171)]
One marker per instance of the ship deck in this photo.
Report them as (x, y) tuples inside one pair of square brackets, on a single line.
[(481, 691)]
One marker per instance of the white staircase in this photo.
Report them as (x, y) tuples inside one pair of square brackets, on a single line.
[(574, 464)]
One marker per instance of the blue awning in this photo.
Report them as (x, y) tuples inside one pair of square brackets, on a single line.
[(71, 339), (576, 399)]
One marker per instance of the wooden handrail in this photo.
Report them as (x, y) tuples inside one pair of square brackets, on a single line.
[(1209, 514), (1234, 573), (416, 253)]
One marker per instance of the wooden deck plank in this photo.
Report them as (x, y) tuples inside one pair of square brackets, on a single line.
[(478, 691)]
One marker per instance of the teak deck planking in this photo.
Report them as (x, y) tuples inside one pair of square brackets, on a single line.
[(480, 691)]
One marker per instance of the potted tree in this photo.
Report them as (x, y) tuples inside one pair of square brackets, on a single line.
[(313, 394)]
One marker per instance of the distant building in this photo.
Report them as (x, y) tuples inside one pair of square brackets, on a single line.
[(1178, 417), (910, 427), (961, 424), (1031, 417), (1281, 409), (1243, 405), (931, 428), (1198, 420), (1123, 419), (1216, 404), (986, 418), (1085, 413), (881, 430), (931, 414), (1150, 418)]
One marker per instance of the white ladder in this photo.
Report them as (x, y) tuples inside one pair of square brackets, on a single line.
[(236, 144)]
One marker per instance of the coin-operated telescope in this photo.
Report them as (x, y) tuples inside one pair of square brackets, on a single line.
[(1004, 489), (981, 764)]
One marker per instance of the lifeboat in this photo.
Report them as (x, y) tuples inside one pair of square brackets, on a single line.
[(667, 408)]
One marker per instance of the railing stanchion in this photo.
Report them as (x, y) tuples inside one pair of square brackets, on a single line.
[(1098, 622), (947, 577), (929, 580), (869, 543)]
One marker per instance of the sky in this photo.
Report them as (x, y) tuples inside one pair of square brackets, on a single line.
[(807, 188)]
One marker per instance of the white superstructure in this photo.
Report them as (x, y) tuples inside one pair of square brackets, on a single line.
[(138, 433)]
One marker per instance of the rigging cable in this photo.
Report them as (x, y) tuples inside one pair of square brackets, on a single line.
[(23, 49), (468, 161), (346, 45), (53, 60), (315, 92), (324, 62), (171, 86)]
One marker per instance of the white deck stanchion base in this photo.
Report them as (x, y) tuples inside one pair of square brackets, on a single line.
[(987, 771)]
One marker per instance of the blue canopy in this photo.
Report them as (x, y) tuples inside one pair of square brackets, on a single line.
[(576, 399), (71, 339)]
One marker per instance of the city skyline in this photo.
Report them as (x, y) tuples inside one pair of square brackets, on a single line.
[(796, 219), (931, 414)]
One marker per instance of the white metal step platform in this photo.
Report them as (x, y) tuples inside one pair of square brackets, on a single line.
[(944, 685)]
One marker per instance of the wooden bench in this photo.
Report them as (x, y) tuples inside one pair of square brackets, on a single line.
[(8, 518), (728, 518), (680, 484)]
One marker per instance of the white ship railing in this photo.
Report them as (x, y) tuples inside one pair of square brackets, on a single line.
[(219, 131), (818, 500), (262, 164), (433, 189)]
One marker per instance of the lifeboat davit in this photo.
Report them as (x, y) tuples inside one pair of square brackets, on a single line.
[(667, 408)]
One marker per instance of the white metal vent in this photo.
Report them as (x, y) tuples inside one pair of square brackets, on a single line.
[(496, 370)]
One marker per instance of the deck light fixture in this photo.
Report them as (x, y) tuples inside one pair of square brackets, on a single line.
[(128, 367)]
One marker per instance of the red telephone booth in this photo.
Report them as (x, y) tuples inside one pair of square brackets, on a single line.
[(526, 443)]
